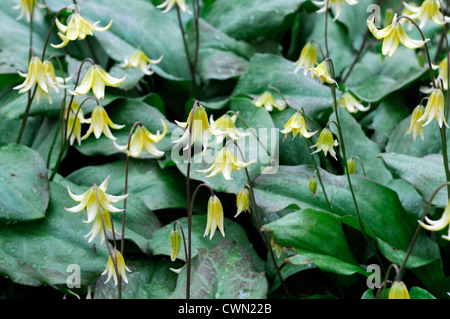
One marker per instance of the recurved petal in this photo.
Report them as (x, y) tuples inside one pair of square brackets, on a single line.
[(407, 41)]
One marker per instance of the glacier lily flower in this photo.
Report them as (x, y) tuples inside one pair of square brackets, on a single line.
[(168, 5), (321, 72), (242, 202), (226, 123), (97, 227), (337, 5), (100, 123), (141, 60), (351, 104), (398, 291), (307, 59), (121, 267), (28, 8), (296, 125), (443, 74), (435, 108), (429, 9), (416, 126), (214, 217), (436, 225), (325, 143), (269, 102), (74, 122)]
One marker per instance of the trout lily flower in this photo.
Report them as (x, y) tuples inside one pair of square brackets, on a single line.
[(168, 4), (27, 8), (121, 267), (392, 35), (429, 9), (443, 74), (96, 78), (226, 123), (175, 244), (337, 5), (100, 123), (351, 104), (225, 162), (321, 72), (398, 291), (296, 125), (88, 201), (269, 102), (141, 60), (416, 126), (307, 59), (214, 217), (75, 118), (77, 28), (200, 129), (436, 225), (435, 108), (325, 143), (97, 228), (143, 139), (242, 202)]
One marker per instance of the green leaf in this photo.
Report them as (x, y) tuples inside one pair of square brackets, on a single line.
[(318, 237), (24, 184), (223, 272)]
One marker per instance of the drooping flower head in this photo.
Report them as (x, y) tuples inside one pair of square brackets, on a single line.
[(100, 123), (28, 8), (97, 227), (296, 125), (351, 104), (337, 6), (325, 143), (225, 162), (168, 5), (429, 9), (77, 28), (242, 202), (307, 59), (174, 243), (141, 60), (443, 74), (75, 118), (143, 139), (437, 225), (214, 217), (398, 291), (321, 72), (111, 270), (313, 185), (226, 124), (392, 35), (269, 102), (97, 78), (416, 126), (434, 109)]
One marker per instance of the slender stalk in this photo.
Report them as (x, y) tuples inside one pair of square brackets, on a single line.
[(186, 50), (326, 29), (196, 9), (383, 286)]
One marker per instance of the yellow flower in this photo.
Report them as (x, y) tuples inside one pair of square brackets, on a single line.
[(225, 162), (296, 125), (74, 123), (100, 123), (54, 82), (225, 123), (175, 244), (242, 202), (325, 143), (28, 8), (351, 104), (307, 59), (96, 78), (443, 73), (398, 291), (143, 139), (429, 9), (392, 35), (434, 109), (168, 4), (416, 126), (141, 60), (337, 4), (97, 228), (88, 201), (321, 72), (77, 28), (214, 217), (200, 129), (436, 225), (269, 102), (121, 267)]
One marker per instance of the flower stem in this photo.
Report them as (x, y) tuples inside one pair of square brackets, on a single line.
[(186, 50)]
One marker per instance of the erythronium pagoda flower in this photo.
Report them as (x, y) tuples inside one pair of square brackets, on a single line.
[(28, 8), (416, 126), (392, 35), (321, 72), (88, 201), (269, 102), (54, 82), (307, 59), (436, 225), (141, 60), (242, 202), (429, 9), (214, 217), (100, 123), (296, 125), (121, 267), (398, 291), (143, 139), (351, 104), (77, 28), (168, 4), (96, 78), (434, 109), (225, 162), (443, 74), (75, 118), (200, 128), (175, 244), (337, 5), (325, 143), (97, 228), (226, 123)]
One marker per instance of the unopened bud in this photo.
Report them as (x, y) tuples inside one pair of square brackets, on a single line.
[(313, 185), (175, 244)]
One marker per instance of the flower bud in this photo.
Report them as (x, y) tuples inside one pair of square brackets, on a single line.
[(313, 185), (175, 244), (351, 166), (398, 291)]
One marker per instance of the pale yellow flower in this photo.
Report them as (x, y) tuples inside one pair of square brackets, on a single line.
[(36, 75), (398, 291), (28, 8), (242, 202), (434, 109), (437, 225), (337, 6), (97, 227), (325, 143), (74, 122), (307, 59), (351, 104), (54, 82), (226, 123), (121, 267), (214, 217), (141, 60), (429, 9), (443, 74), (321, 72), (416, 126), (296, 125), (269, 102), (168, 4), (100, 123)]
